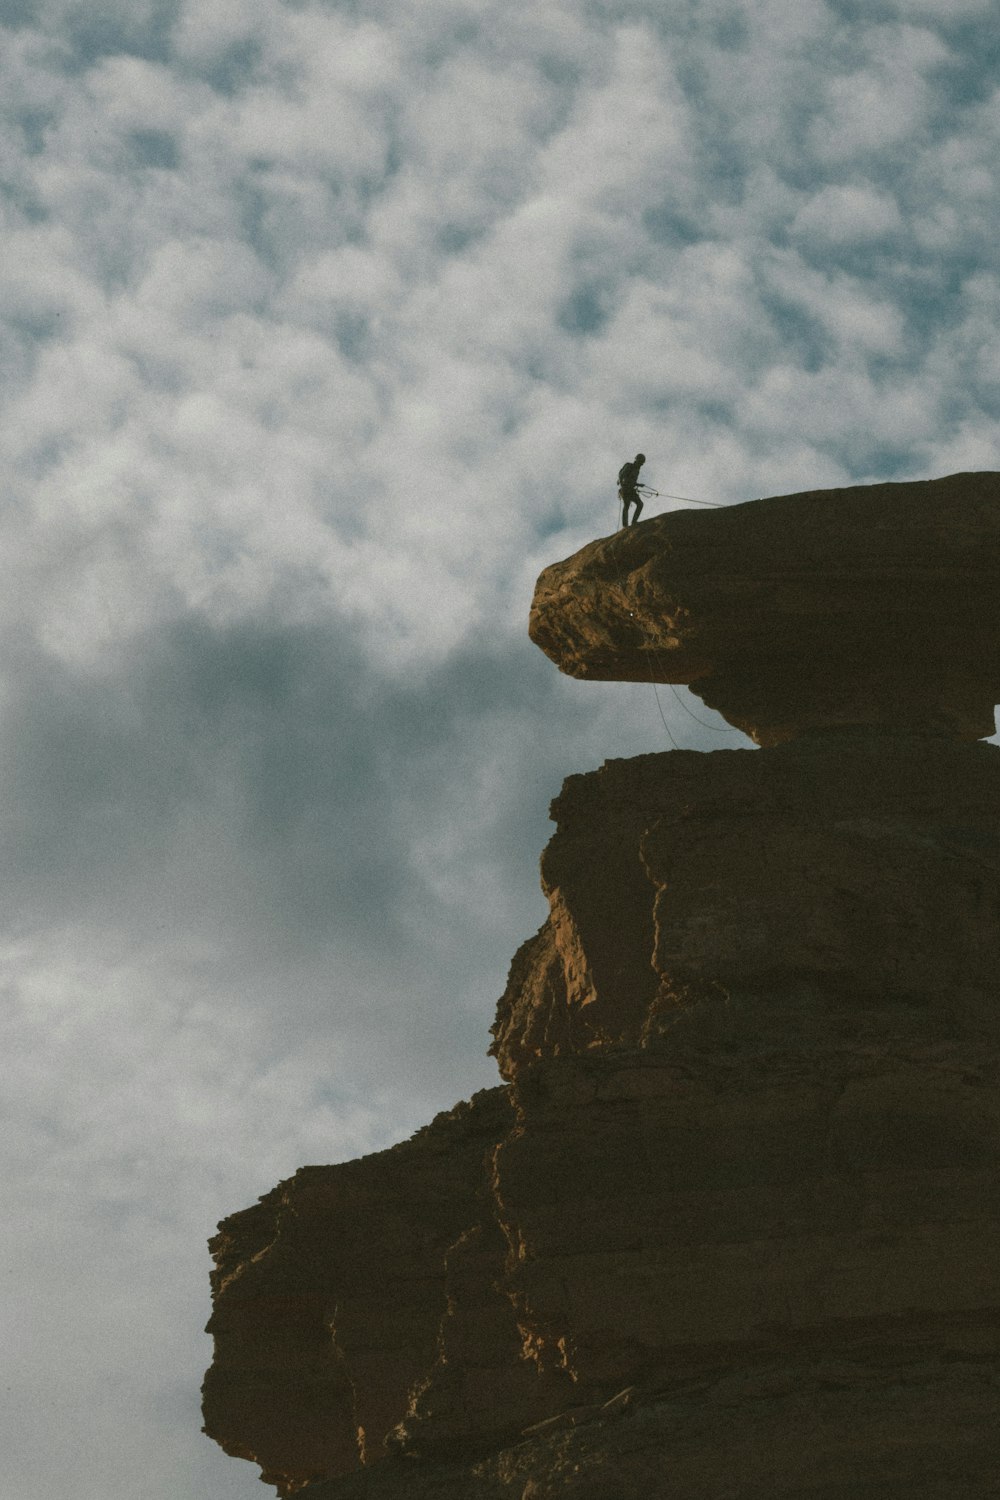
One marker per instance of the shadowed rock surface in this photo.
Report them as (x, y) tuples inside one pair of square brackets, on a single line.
[(731, 1228), (876, 605), (844, 882)]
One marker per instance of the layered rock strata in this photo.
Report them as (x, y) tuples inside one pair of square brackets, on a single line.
[(731, 1227), (329, 1296), (874, 605), (841, 883)]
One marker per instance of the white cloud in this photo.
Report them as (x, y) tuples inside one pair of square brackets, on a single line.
[(941, 10), (203, 34), (883, 103), (846, 215), (124, 93)]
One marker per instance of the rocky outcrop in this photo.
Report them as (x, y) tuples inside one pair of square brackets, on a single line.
[(783, 1260), (878, 605), (330, 1293), (847, 882), (730, 1226), (852, 1425)]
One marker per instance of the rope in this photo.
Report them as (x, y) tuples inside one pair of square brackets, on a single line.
[(656, 691), (659, 705), (715, 728), (688, 499)]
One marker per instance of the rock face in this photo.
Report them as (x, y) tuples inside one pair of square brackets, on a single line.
[(878, 605), (840, 883), (731, 1227), (329, 1297)]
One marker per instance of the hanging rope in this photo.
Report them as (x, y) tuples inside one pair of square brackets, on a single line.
[(659, 705), (649, 663), (715, 728), (654, 655)]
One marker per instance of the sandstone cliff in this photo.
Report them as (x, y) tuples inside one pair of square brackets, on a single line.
[(731, 1227), (876, 606)]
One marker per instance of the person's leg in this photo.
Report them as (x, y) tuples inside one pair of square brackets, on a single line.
[(638, 508), (625, 502)]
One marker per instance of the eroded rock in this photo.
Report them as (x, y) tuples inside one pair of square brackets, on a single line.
[(730, 1227), (878, 605), (846, 884), (801, 1245), (329, 1296)]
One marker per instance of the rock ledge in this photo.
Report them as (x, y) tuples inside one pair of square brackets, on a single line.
[(876, 606)]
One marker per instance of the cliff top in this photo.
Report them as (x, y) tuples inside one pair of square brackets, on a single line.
[(877, 605)]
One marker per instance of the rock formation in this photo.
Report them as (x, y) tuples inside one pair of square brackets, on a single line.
[(875, 606), (731, 1226)]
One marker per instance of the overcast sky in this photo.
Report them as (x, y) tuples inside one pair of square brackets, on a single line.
[(325, 327)]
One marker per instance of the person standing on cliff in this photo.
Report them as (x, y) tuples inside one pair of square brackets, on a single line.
[(628, 478)]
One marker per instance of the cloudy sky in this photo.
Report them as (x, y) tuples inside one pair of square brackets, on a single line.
[(325, 326)]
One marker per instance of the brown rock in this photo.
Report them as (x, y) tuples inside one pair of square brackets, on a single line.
[(796, 1263), (892, 1425), (678, 1217), (846, 885), (730, 1231), (877, 605), (329, 1297)]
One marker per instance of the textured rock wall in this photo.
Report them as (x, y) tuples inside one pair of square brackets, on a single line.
[(849, 880), (751, 1135), (731, 1228), (329, 1297), (678, 1217), (890, 1421), (789, 1263)]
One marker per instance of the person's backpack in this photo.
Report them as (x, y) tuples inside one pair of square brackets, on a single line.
[(626, 476)]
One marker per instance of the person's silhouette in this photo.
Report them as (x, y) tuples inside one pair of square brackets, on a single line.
[(628, 478)]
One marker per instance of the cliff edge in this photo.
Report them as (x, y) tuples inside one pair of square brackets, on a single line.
[(878, 606), (729, 1227)]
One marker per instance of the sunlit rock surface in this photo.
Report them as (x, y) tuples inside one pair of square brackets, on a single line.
[(878, 605), (731, 1227)]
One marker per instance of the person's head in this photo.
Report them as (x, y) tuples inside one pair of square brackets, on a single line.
[(640, 458)]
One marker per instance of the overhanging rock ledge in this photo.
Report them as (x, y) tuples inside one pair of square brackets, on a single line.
[(878, 605)]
